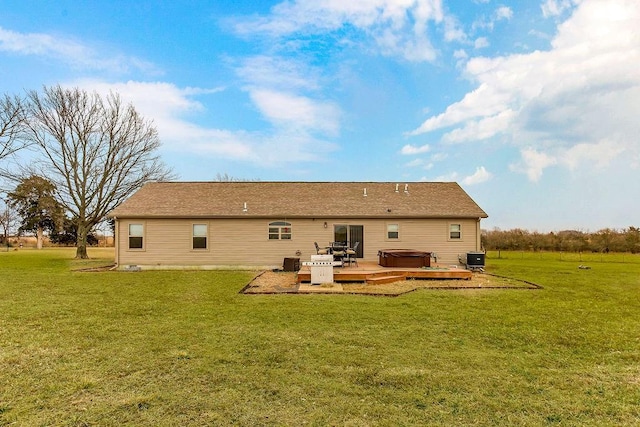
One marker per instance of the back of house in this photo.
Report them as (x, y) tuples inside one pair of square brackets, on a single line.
[(259, 224)]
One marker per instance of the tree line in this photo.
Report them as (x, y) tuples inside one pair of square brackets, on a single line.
[(86, 154), (605, 240)]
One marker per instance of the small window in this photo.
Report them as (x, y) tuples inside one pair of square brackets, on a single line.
[(393, 231), (455, 231), (136, 234), (279, 230), (200, 236)]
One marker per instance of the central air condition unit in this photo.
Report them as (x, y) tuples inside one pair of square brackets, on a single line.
[(475, 260)]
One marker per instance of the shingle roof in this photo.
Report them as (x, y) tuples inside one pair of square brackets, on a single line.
[(300, 199)]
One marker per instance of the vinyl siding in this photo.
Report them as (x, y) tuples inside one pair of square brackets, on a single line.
[(245, 242)]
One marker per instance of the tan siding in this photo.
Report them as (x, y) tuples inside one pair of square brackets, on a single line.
[(167, 242), (426, 235)]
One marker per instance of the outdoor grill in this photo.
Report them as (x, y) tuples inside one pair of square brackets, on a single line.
[(408, 258), (321, 267)]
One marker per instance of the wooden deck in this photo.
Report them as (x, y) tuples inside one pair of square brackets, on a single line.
[(370, 272)]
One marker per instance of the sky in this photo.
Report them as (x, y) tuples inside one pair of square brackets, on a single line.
[(532, 106)]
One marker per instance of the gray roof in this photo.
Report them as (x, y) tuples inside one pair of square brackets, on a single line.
[(299, 199)]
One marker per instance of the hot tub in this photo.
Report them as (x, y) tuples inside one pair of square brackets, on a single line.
[(408, 258)]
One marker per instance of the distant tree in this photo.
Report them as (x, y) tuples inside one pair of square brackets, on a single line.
[(225, 177), (8, 220), (11, 124), (603, 240), (632, 239), (36, 204), (96, 151), (68, 234)]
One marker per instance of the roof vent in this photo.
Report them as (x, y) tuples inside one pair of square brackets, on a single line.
[(406, 188), (397, 186), (365, 193), (244, 207)]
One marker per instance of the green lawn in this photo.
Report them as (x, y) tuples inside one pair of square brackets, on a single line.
[(185, 348)]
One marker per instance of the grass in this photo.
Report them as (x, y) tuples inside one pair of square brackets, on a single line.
[(185, 348)]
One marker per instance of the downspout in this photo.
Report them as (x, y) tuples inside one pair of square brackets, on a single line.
[(116, 241)]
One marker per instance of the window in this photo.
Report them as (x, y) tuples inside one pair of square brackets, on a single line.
[(393, 231), (279, 230), (455, 231), (200, 236), (136, 234)]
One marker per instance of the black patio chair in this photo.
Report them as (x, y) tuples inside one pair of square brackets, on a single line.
[(352, 254)]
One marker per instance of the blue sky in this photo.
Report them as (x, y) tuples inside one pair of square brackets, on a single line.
[(532, 106)]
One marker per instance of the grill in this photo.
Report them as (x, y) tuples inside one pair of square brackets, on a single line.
[(321, 267)]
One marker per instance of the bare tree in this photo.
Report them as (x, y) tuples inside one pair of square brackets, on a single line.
[(8, 220), (228, 178), (11, 125), (96, 151)]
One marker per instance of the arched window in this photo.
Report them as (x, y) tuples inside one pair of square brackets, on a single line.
[(279, 230)]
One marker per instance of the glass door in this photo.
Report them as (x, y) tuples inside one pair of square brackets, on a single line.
[(356, 234), (350, 234)]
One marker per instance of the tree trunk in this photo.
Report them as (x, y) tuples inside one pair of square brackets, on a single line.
[(39, 237), (81, 242)]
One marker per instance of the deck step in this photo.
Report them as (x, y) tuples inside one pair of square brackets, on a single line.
[(379, 280)]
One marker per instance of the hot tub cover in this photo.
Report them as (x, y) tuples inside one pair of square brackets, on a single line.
[(403, 253)]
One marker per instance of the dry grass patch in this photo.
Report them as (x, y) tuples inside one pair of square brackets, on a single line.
[(270, 282)]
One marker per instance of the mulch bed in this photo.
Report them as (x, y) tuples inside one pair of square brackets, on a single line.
[(278, 282)]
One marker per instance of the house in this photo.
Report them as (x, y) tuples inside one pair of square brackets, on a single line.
[(258, 224)]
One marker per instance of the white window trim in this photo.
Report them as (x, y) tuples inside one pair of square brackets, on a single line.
[(144, 236), (206, 236), (449, 231), (386, 232), (286, 224)]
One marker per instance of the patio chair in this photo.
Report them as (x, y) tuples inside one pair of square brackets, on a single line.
[(338, 250), (352, 254), (321, 251)]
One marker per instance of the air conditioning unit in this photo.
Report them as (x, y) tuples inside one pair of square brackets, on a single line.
[(475, 260)]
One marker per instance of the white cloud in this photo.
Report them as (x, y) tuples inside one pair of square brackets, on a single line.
[(481, 175), (277, 72), (72, 52), (449, 177), (481, 42), (398, 28), (439, 157), (584, 90), (503, 12), (453, 30), (169, 107), (296, 112), (598, 155), (555, 7), (485, 128), (533, 163), (460, 54), (285, 91), (412, 149), (415, 163), (488, 23)]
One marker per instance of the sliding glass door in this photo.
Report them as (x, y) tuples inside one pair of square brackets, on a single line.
[(350, 234)]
